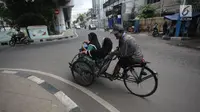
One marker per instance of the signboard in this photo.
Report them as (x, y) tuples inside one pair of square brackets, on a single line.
[(57, 11), (38, 32), (186, 12)]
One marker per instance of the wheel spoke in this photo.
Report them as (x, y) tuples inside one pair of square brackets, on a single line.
[(146, 78), (131, 80), (84, 75), (141, 87)]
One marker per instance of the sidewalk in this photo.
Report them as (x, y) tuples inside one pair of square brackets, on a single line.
[(176, 41), (19, 94), (195, 44), (66, 34)]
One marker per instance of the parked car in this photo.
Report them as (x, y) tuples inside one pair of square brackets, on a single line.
[(92, 27), (77, 26)]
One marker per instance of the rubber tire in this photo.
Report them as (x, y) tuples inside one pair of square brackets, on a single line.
[(12, 41), (27, 42), (92, 74), (155, 34), (73, 60), (154, 89)]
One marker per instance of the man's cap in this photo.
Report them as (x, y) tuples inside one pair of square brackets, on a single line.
[(117, 28)]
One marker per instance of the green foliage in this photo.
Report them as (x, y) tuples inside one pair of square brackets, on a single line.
[(81, 17), (20, 8), (147, 11), (5, 13), (27, 20)]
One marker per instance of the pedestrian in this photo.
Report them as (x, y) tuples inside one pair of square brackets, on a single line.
[(165, 28)]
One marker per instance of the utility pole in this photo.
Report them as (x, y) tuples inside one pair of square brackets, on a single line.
[(161, 7)]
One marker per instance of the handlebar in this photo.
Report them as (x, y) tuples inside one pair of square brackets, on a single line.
[(115, 53)]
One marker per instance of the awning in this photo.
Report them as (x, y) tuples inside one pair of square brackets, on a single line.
[(175, 16)]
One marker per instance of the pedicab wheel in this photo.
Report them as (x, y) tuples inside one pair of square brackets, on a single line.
[(75, 58), (82, 73), (143, 87)]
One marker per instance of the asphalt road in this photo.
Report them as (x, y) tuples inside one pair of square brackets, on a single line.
[(178, 68)]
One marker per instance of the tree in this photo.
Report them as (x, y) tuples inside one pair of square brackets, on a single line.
[(17, 8), (27, 20), (82, 19), (147, 11)]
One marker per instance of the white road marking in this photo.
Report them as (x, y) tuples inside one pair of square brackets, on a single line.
[(9, 72), (84, 90), (67, 101), (36, 79)]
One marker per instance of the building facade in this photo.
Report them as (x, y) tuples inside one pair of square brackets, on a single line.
[(63, 18), (120, 11), (98, 12), (166, 7)]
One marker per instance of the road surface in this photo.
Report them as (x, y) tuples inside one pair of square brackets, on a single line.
[(178, 68)]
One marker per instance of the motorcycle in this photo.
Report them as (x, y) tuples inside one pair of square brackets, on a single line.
[(155, 32), (19, 39)]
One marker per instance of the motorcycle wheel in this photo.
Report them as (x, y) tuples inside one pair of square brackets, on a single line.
[(12, 43), (26, 41), (155, 34)]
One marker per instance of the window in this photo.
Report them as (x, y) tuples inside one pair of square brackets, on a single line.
[(152, 1)]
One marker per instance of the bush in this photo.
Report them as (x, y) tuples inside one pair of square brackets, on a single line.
[(147, 11), (29, 19)]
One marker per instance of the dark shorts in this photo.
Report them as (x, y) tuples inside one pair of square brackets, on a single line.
[(128, 61)]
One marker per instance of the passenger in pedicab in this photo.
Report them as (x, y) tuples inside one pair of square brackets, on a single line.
[(91, 44), (102, 52)]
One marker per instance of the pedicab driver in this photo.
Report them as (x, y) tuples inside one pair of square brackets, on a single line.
[(129, 51)]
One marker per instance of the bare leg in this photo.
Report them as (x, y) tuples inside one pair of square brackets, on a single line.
[(116, 70)]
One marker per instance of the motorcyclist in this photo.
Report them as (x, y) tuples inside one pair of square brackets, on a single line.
[(129, 51), (20, 35), (155, 27)]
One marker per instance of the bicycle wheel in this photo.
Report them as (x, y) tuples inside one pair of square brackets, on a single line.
[(143, 87), (75, 58), (82, 73)]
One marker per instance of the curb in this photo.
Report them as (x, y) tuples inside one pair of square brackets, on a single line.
[(51, 38), (70, 105), (164, 37)]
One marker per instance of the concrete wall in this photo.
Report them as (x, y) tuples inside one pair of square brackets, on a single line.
[(167, 5), (62, 18)]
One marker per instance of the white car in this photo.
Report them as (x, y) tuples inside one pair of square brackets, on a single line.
[(92, 27), (77, 26)]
